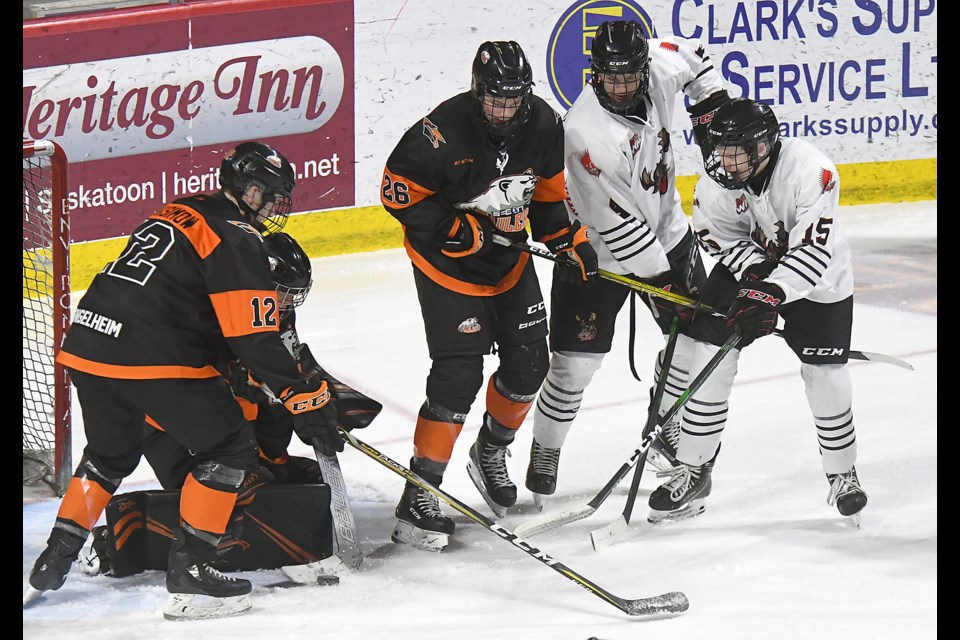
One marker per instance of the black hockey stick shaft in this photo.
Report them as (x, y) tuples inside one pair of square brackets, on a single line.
[(672, 602), (566, 516), (652, 415), (649, 289)]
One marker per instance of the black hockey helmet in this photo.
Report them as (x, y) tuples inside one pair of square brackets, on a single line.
[(258, 164), (620, 53), (290, 267), (502, 76), (741, 136)]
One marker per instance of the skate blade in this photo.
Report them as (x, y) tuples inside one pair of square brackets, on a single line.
[(189, 606), (31, 596), (406, 533), (691, 510), (499, 510), (538, 501)]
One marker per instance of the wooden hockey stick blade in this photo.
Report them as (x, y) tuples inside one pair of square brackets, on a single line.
[(348, 544), (608, 534), (664, 604)]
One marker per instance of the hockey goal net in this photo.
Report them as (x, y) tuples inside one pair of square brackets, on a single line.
[(46, 316)]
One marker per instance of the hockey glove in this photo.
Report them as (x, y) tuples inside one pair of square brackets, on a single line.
[(755, 311), (243, 384), (295, 470), (701, 114), (469, 235), (758, 271), (573, 243), (314, 414), (672, 281)]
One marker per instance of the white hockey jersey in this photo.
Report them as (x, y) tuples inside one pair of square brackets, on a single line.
[(794, 222), (612, 158)]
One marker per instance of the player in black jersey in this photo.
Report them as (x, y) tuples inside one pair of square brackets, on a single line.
[(191, 289), (486, 161)]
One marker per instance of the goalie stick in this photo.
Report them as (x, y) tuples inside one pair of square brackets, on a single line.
[(649, 289), (344, 526), (666, 603), (566, 516)]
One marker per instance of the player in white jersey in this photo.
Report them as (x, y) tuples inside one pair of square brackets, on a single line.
[(768, 212), (621, 180)]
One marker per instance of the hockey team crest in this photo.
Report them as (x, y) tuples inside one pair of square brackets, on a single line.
[(568, 51)]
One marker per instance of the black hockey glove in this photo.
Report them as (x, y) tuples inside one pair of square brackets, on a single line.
[(755, 311), (701, 114), (243, 384), (573, 243), (295, 470), (673, 282), (314, 414), (471, 234), (758, 271)]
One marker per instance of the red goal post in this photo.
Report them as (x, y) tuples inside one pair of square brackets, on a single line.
[(47, 438)]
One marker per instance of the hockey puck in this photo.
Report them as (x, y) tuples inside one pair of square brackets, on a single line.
[(327, 580)]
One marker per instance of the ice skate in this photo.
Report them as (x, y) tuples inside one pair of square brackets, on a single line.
[(542, 471), (847, 494), (682, 496), (488, 471), (420, 523), (51, 568), (662, 454), (197, 590)]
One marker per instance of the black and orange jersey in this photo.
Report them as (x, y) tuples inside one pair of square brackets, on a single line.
[(191, 290), (444, 165)]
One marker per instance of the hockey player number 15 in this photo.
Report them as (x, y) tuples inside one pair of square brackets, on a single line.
[(823, 230)]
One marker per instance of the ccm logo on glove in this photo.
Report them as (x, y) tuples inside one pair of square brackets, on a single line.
[(759, 296), (308, 401)]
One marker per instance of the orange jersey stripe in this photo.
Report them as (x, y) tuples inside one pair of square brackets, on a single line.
[(83, 503), (153, 423), (504, 410), (551, 190), (244, 312), (205, 508), (398, 192), (250, 409), (192, 225), (134, 372), (460, 286), (434, 440)]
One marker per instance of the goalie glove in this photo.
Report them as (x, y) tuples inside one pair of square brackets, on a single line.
[(469, 235), (314, 414), (573, 243)]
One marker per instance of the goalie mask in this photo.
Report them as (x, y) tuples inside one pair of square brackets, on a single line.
[(259, 166), (620, 64), (290, 268), (739, 142), (502, 86)]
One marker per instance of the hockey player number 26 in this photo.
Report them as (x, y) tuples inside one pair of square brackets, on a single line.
[(395, 191)]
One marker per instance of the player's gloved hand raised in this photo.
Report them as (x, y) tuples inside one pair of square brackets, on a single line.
[(673, 282), (471, 234), (573, 243), (755, 311), (314, 414)]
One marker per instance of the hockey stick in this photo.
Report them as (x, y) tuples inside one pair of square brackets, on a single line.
[(666, 603), (345, 528), (605, 535), (566, 516), (649, 289)]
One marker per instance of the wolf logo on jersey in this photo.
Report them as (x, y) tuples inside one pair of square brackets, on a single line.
[(505, 201)]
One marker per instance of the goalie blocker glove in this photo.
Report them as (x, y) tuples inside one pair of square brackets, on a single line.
[(573, 243), (469, 235), (755, 311), (314, 414)]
